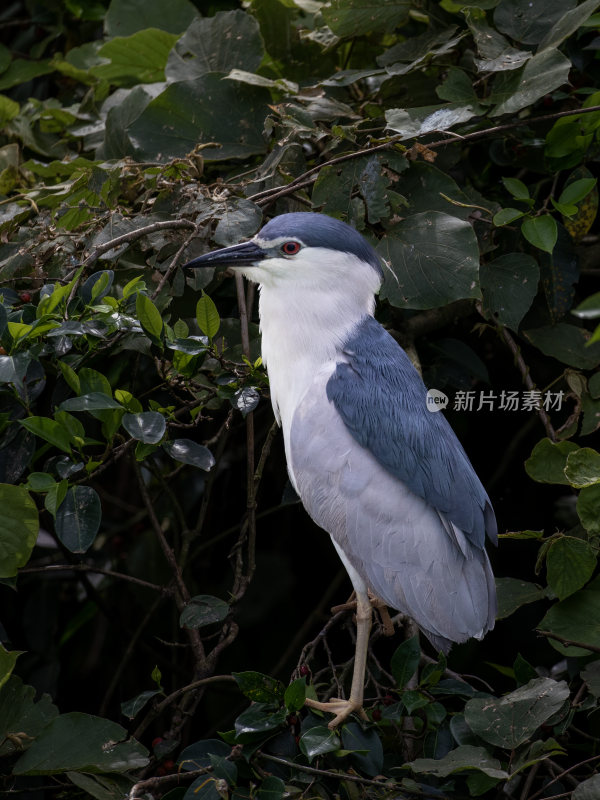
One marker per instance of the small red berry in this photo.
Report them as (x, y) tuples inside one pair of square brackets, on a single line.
[(376, 715), (304, 670), (156, 741), (25, 297), (388, 700), (169, 765)]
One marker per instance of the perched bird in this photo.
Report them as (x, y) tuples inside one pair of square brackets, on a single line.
[(385, 477)]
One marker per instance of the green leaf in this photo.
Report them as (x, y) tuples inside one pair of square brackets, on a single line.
[(517, 188), (97, 286), (575, 192), (147, 426), (19, 528), (207, 316), (70, 376), (588, 508), (227, 41), (125, 17), (224, 116), (92, 401), (540, 75), (566, 25), (295, 695), (462, 758), (242, 218), (412, 122), (433, 258), (405, 661), (588, 789), (202, 610), (577, 618), (567, 343), (541, 232), (271, 788), (40, 481), (22, 71), (189, 452), (317, 741), (49, 430), (507, 215), (260, 688), (8, 659), (198, 755), (256, 721), (509, 285), (56, 495), (369, 758), (513, 593), (78, 518), (356, 17), (583, 467), (76, 741), (21, 716), (139, 58), (131, 708), (570, 563), (530, 22), (589, 308), (148, 315), (548, 460), (512, 719)]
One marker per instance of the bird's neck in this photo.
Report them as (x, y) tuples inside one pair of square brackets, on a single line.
[(303, 332)]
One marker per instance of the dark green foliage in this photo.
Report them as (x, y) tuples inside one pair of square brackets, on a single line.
[(163, 611)]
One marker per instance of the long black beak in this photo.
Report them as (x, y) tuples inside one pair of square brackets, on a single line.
[(246, 254)]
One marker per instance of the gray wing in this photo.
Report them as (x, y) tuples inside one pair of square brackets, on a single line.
[(406, 551)]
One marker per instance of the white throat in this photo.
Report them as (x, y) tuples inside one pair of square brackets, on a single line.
[(308, 307)]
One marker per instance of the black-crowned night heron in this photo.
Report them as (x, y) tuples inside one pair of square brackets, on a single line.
[(385, 477)]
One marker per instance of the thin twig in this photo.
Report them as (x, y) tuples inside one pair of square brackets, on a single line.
[(307, 178), (141, 787), (174, 263), (527, 379), (166, 702), (562, 775), (164, 590), (568, 642), (126, 238)]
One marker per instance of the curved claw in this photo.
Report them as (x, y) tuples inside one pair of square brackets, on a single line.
[(341, 708)]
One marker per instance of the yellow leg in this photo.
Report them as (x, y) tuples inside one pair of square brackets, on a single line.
[(343, 708)]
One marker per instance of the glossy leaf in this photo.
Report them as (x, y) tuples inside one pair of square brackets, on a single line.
[(189, 452), (566, 343), (542, 74), (197, 755), (78, 518), (93, 401), (259, 688), (295, 695), (146, 426), (202, 610), (355, 17), (49, 430), (317, 741), (131, 708)]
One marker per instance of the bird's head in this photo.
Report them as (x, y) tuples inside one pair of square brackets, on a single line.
[(302, 249)]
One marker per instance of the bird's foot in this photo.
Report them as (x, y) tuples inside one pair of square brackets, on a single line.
[(341, 708)]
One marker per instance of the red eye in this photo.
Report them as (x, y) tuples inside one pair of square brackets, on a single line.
[(290, 248)]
